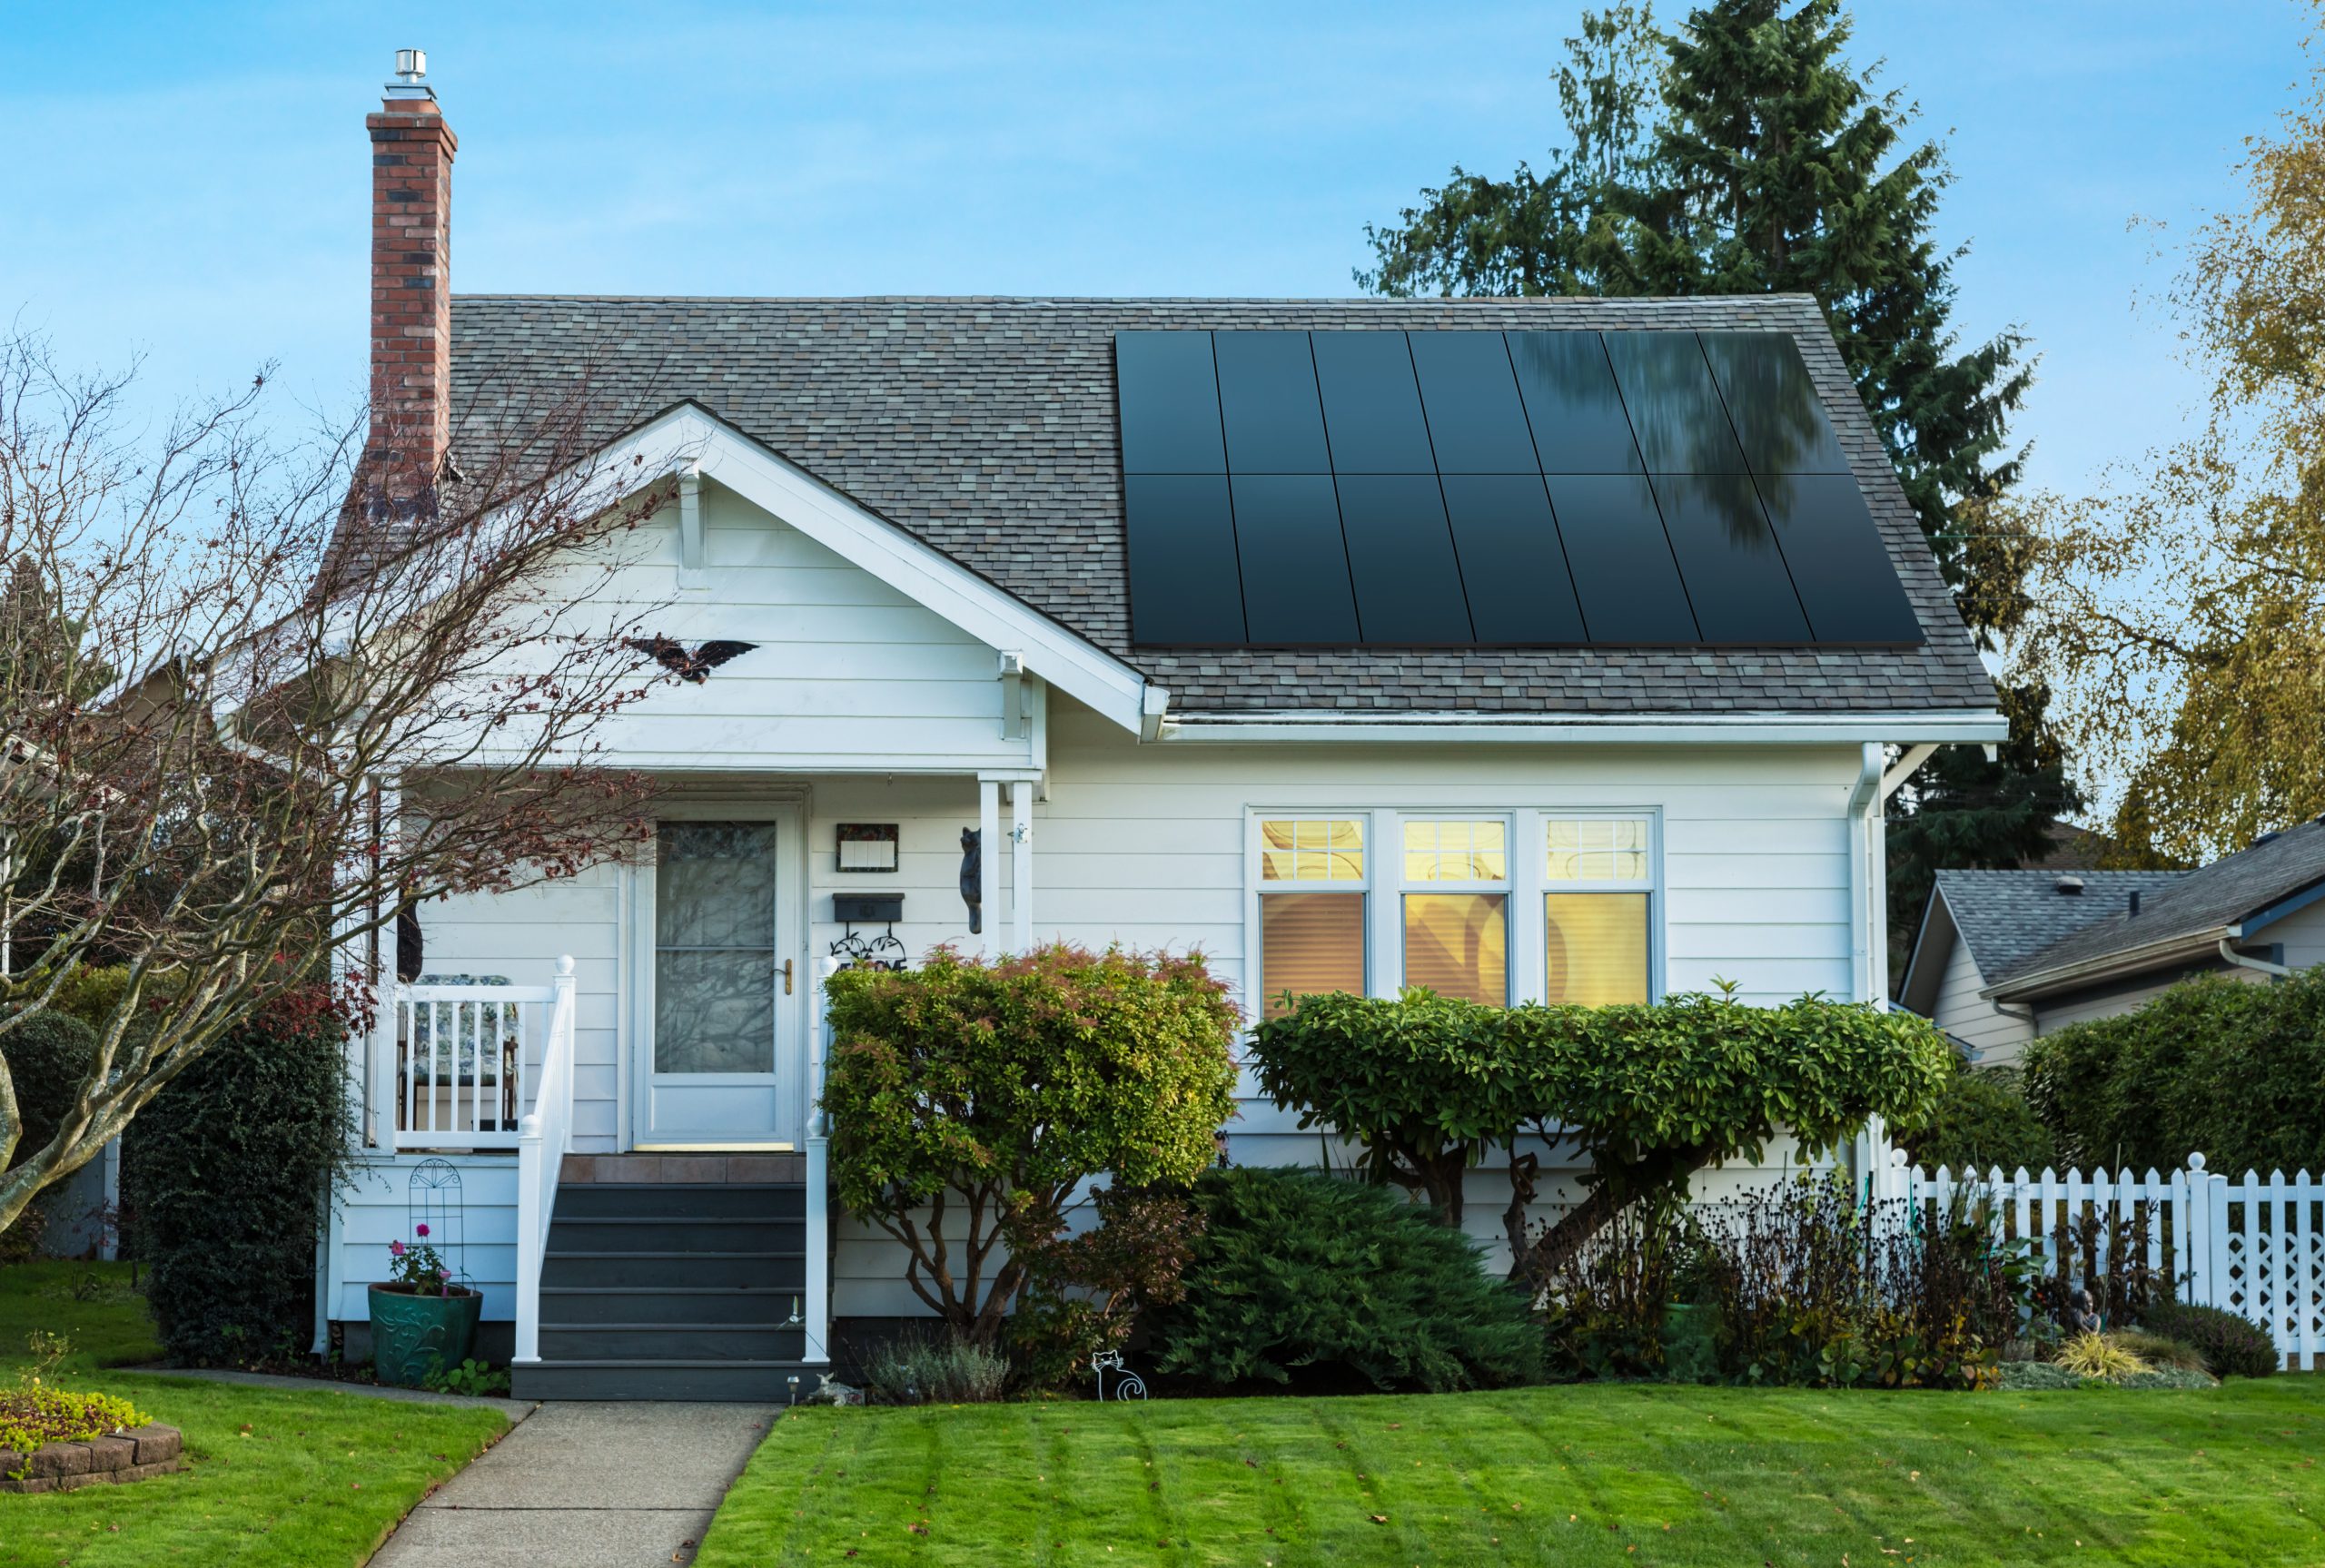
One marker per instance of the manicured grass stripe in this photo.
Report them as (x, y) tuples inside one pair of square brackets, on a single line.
[(1792, 1477)]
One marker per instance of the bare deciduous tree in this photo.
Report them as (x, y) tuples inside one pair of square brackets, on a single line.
[(222, 665)]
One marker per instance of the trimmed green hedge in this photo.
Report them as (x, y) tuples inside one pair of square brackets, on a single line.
[(1980, 1120), (49, 1056), (2214, 1066), (224, 1178)]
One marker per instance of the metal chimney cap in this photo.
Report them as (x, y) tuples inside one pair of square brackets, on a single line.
[(411, 75), (2068, 885)]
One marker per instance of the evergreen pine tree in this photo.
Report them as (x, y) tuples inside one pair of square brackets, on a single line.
[(1765, 163)]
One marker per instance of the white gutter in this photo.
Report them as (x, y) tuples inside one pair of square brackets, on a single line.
[(2245, 960), (2186, 945), (1918, 729)]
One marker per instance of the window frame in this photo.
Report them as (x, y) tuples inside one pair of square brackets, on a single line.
[(1526, 882), (1652, 885), (1506, 886), (1257, 885)]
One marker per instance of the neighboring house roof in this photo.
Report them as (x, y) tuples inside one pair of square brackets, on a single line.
[(987, 428), (2006, 917), (2233, 899)]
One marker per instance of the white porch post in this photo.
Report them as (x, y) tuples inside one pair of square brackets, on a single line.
[(817, 1331), (989, 862), (382, 1076), (1021, 862)]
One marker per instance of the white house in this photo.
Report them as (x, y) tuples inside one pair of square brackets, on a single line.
[(1527, 649), (2005, 956)]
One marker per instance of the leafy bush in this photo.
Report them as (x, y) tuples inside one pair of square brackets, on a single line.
[(477, 1379), (2232, 1347), (1652, 1093), (49, 1056), (2095, 1355), (2159, 1350), (2211, 1066), (1980, 1120), (228, 1172), (1816, 1288), (1299, 1269), (977, 1095), (1604, 1307), (915, 1369), (1084, 1293), (2034, 1377)]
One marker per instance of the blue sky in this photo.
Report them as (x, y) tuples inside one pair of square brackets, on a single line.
[(195, 189)]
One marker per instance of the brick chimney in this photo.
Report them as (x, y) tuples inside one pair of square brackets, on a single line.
[(411, 300)]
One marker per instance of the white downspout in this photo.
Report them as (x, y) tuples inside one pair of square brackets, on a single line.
[(817, 1308), (2246, 960)]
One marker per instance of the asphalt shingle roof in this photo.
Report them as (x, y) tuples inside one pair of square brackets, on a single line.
[(2196, 901), (987, 427), (2006, 917)]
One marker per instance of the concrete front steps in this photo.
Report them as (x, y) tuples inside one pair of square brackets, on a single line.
[(679, 1283)]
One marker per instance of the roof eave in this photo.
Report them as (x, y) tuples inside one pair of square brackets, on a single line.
[(2035, 984)]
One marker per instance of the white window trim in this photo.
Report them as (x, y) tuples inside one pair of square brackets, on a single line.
[(1384, 935), (1655, 887), (1507, 887)]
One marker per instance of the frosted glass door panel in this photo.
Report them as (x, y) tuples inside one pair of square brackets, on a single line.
[(715, 947)]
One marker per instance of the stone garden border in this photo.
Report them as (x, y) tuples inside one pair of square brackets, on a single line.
[(130, 1455)]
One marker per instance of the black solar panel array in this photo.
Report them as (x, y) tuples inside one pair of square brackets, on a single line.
[(1499, 488)]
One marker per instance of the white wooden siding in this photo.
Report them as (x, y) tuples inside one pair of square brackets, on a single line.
[(1994, 1038), (849, 673), (2301, 934), (376, 1210)]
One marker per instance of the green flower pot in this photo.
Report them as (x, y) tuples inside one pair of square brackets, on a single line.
[(413, 1336)]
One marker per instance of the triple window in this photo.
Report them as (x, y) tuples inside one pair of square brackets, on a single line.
[(1497, 907)]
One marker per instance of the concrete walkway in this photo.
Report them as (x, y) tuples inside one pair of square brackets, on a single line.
[(585, 1485)]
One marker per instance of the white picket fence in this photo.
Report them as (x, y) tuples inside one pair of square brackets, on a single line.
[(2254, 1246)]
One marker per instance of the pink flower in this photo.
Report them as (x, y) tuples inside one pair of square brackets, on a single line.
[(423, 1230), (395, 1248)]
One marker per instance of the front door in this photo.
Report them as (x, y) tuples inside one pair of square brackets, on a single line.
[(723, 1029)]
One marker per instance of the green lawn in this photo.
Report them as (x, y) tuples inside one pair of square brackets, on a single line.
[(1595, 1474), (298, 1479)]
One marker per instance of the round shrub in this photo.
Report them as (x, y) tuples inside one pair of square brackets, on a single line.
[(1980, 1120), (2232, 1347), (226, 1174), (2211, 1066), (49, 1056), (1297, 1270)]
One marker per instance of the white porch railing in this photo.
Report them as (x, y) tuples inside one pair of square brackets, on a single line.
[(459, 1072), (2254, 1246), (544, 1135)]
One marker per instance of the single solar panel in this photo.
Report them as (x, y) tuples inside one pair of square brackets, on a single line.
[(1169, 395), (1729, 559), (1400, 559), (1267, 399), (1294, 563), (1573, 404), (1513, 565), (1181, 537), (1373, 419), (1778, 417), (1674, 410), (1477, 422), (1624, 577), (1839, 564)]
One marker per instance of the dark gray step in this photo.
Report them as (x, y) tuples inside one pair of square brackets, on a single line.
[(672, 1342), (602, 1200), (664, 1233), (728, 1382), (647, 1270), (638, 1303)]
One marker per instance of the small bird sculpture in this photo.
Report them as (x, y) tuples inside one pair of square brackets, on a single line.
[(674, 657)]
